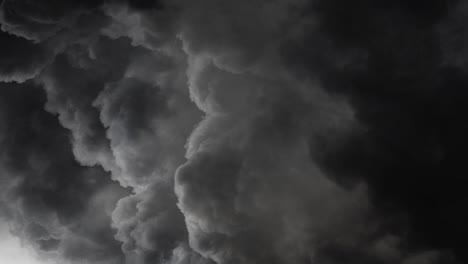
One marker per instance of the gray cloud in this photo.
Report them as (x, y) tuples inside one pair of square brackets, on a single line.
[(200, 132), (51, 200), (150, 225), (21, 60)]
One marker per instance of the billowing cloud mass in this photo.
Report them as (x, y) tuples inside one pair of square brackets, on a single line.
[(226, 132)]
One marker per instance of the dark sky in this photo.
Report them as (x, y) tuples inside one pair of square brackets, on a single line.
[(235, 132)]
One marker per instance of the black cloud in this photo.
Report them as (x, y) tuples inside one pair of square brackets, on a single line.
[(235, 131)]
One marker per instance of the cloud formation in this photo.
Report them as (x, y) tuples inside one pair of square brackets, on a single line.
[(264, 131)]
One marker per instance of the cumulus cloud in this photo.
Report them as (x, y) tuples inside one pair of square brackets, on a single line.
[(202, 132), (60, 207)]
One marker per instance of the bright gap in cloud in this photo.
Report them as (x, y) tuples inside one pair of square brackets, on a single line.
[(11, 250)]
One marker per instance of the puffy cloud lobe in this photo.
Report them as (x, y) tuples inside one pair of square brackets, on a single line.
[(146, 114), (250, 192), (49, 197), (90, 68), (130, 109), (150, 225), (233, 43), (148, 123), (185, 255), (146, 117), (211, 216)]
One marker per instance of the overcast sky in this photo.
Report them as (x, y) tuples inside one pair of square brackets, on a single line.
[(233, 132)]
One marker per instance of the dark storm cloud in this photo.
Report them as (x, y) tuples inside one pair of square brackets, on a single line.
[(408, 94), (73, 82), (387, 72), (251, 194), (133, 122), (150, 225), (21, 60), (248, 131), (61, 207), (40, 20), (144, 4)]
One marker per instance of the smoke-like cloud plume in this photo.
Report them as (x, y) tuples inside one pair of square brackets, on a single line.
[(223, 132)]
